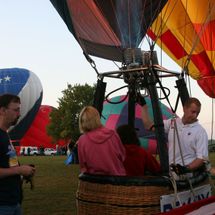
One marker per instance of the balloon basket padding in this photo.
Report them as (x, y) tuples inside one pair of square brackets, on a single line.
[(120, 195)]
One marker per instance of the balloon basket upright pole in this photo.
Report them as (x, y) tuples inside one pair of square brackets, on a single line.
[(182, 89), (99, 95), (131, 105), (158, 121)]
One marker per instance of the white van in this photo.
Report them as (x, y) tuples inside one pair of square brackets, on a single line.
[(50, 151), (29, 150)]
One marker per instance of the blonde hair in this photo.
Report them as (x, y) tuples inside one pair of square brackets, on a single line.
[(89, 119)]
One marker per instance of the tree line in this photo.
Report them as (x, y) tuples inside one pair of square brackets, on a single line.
[(64, 119)]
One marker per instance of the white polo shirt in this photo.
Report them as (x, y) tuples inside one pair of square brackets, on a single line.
[(193, 141)]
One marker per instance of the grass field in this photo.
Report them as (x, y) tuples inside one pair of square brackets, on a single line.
[(55, 186)]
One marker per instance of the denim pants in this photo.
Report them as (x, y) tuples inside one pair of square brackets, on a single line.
[(10, 209)]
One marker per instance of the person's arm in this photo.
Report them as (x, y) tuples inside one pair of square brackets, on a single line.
[(148, 123), (24, 170), (195, 164)]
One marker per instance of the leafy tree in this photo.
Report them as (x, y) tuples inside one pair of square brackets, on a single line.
[(64, 119)]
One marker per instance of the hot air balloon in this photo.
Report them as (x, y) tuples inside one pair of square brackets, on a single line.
[(37, 135), (123, 24), (114, 30), (185, 30), (115, 113), (27, 86), (120, 24)]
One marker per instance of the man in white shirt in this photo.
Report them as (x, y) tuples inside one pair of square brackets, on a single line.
[(185, 133)]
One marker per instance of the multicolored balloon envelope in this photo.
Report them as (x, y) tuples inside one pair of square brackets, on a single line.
[(184, 29), (37, 134), (105, 28), (186, 34), (28, 87), (114, 115)]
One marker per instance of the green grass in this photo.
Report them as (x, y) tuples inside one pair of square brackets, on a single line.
[(212, 158), (55, 186)]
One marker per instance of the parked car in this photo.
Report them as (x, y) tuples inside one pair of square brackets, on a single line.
[(50, 151), (29, 150)]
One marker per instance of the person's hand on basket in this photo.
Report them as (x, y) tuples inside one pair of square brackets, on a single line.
[(179, 169)]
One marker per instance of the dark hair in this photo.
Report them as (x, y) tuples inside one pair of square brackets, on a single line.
[(192, 100), (6, 99), (128, 134), (71, 145)]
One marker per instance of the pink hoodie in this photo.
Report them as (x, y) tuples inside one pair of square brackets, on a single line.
[(101, 152)]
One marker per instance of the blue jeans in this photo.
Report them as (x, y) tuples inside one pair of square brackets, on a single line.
[(10, 209)]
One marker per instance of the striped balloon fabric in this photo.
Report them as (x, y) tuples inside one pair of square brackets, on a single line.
[(28, 87), (114, 115), (185, 30)]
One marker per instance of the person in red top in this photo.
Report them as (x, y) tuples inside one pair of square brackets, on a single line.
[(100, 150), (138, 161)]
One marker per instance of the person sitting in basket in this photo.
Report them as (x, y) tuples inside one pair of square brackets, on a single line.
[(138, 161), (100, 150)]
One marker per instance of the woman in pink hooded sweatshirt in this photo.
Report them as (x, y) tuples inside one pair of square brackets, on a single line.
[(100, 149)]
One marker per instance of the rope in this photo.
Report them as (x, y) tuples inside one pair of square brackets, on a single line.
[(179, 142), (181, 153), (212, 117), (211, 181), (172, 120), (174, 185)]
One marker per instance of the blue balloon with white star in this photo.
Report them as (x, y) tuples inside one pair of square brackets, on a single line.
[(27, 86)]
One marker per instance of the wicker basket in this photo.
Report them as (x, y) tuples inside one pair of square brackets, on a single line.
[(112, 195), (120, 199)]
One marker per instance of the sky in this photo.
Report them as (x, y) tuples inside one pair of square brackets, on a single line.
[(34, 37)]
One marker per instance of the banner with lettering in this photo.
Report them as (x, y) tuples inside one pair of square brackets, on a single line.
[(171, 201)]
